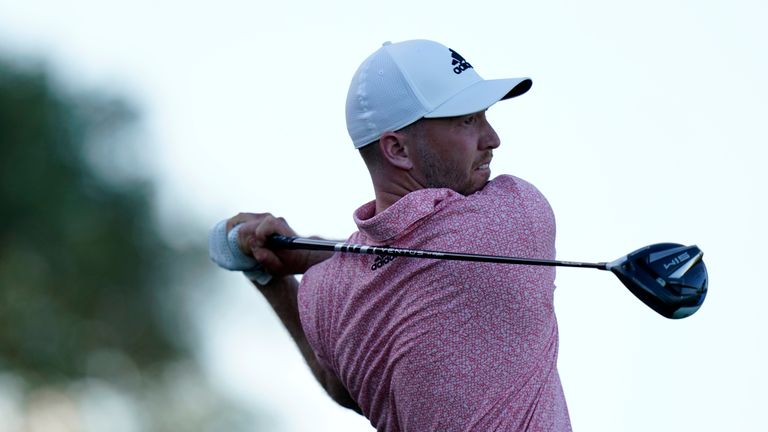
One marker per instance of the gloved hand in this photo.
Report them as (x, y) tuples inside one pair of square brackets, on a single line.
[(225, 252)]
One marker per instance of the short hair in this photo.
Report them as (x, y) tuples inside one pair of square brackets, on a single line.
[(371, 153)]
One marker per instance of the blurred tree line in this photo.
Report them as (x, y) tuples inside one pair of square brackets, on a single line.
[(84, 273)]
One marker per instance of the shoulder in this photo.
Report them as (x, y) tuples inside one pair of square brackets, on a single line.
[(506, 184), (512, 212), (522, 193), (508, 191)]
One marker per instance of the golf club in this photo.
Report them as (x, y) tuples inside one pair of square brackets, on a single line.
[(669, 278)]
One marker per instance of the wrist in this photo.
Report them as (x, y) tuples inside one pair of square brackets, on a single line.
[(258, 275)]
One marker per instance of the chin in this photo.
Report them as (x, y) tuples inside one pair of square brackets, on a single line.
[(470, 189), (478, 184)]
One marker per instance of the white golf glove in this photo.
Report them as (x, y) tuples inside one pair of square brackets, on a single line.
[(225, 252)]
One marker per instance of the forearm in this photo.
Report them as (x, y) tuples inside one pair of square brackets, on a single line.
[(314, 257), (240, 243), (282, 294)]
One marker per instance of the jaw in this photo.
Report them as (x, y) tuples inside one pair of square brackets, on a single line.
[(478, 178)]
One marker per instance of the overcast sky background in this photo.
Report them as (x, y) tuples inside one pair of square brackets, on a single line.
[(646, 123)]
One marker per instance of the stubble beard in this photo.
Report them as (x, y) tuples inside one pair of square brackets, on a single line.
[(441, 174)]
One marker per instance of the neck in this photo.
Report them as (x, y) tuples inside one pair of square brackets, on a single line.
[(389, 189), (385, 199)]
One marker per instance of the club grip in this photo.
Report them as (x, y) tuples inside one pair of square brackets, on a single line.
[(278, 241)]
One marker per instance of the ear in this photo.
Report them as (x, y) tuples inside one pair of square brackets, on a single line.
[(394, 150)]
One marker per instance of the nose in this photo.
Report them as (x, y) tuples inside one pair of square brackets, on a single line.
[(489, 139)]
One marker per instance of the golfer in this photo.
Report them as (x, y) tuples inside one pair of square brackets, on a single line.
[(418, 344)]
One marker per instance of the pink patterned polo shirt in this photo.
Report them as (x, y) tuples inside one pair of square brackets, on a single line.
[(431, 345)]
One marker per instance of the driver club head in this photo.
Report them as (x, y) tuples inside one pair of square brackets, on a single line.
[(668, 277)]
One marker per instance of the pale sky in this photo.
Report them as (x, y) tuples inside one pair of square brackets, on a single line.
[(646, 123)]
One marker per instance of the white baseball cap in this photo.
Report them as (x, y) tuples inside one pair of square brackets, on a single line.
[(402, 82)]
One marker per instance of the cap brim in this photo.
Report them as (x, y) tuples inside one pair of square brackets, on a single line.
[(480, 96)]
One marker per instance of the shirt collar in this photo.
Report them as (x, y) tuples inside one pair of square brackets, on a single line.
[(400, 216)]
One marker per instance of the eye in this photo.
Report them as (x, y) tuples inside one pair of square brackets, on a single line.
[(470, 119)]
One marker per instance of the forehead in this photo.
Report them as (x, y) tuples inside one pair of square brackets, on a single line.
[(458, 118), (441, 122)]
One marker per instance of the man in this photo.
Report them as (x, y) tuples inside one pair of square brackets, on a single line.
[(412, 344)]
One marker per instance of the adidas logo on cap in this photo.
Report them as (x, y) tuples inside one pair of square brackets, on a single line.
[(458, 61)]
